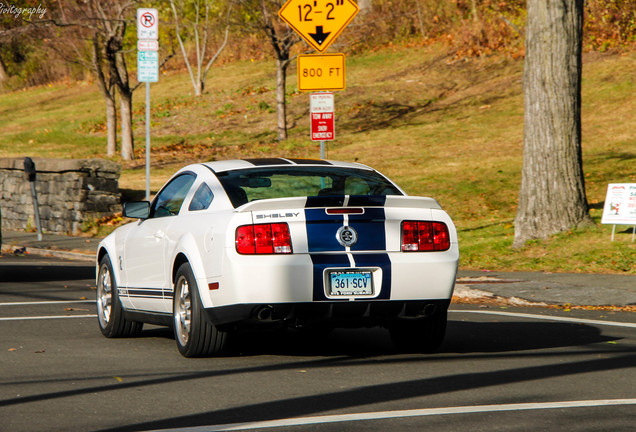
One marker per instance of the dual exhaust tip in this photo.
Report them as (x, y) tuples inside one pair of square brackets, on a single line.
[(267, 312)]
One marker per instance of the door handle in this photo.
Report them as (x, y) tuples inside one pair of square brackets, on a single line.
[(159, 235)]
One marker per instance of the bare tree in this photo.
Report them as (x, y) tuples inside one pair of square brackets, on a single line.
[(106, 86), (552, 196), (82, 42), (200, 28), (4, 76), (263, 16), (112, 21), (93, 37)]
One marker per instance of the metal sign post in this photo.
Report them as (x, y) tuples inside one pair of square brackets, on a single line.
[(147, 67), (147, 141), (319, 24), (29, 169)]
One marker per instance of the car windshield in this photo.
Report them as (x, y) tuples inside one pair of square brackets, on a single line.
[(252, 184)]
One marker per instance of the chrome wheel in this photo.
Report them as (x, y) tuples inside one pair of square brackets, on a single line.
[(110, 313), (183, 310), (195, 335), (104, 295)]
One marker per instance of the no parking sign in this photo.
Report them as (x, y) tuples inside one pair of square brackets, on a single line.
[(321, 109), (147, 23)]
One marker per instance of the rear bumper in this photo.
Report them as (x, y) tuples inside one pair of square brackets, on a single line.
[(335, 314), (304, 278)]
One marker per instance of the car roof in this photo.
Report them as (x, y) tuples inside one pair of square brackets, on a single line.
[(229, 165)]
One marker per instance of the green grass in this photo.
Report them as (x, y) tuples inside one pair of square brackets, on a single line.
[(440, 127)]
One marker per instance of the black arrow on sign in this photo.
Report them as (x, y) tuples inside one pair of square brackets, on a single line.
[(320, 35)]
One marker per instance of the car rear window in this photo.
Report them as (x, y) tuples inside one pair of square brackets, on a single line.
[(252, 184)]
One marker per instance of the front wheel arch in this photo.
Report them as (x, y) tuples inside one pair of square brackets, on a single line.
[(179, 260)]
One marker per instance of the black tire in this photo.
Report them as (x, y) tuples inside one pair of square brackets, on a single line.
[(421, 335), (110, 313), (195, 335)]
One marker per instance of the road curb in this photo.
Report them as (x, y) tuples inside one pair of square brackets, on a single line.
[(53, 253)]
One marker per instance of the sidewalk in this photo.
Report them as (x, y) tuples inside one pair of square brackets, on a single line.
[(62, 246), (522, 288), (580, 289)]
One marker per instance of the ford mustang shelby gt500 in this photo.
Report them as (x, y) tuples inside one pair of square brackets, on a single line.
[(301, 243)]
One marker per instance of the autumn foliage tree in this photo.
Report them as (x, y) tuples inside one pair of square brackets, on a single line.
[(262, 16)]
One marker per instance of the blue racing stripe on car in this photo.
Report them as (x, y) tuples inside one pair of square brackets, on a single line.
[(322, 228), (381, 260), (339, 200), (370, 227), (322, 262), (268, 161), (151, 293), (309, 161), (321, 231), (325, 201)]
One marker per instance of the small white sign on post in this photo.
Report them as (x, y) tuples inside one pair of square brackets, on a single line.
[(321, 102), (147, 23), (147, 45), (620, 205), (147, 66)]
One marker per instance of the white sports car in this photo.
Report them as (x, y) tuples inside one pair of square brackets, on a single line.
[(311, 244)]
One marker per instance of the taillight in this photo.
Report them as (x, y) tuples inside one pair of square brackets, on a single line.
[(419, 236), (263, 239)]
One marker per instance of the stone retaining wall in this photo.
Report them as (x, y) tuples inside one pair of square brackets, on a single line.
[(70, 192)]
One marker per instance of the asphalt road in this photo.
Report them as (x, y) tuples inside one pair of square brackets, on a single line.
[(500, 369)]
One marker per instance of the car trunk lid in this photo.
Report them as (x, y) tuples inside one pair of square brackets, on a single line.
[(336, 224)]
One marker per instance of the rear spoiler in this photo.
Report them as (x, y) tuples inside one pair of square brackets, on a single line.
[(338, 201)]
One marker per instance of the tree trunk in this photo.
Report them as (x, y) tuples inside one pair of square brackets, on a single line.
[(111, 124), (365, 5), (281, 105), (107, 88), (127, 139), (474, 10), (552, 196), (4, 76)]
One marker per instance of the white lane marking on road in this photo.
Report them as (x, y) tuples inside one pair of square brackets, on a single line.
[(384, 415), (549, 318), (45, 317), (45, 302)]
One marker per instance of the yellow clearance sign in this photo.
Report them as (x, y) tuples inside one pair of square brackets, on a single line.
[(319, 22), (321, 72)]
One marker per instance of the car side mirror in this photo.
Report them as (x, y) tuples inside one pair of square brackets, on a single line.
[(136, 209)]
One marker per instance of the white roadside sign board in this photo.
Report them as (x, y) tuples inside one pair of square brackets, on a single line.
[(147, 23), (147, 45), (147, 66), (620, 204)]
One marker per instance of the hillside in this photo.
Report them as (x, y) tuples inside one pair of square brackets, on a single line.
[(441, 127)]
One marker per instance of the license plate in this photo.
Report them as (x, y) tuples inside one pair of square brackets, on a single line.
[(350, 283)]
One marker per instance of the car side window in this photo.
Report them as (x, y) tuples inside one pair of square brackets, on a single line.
[(202, 198), (170, 199)]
